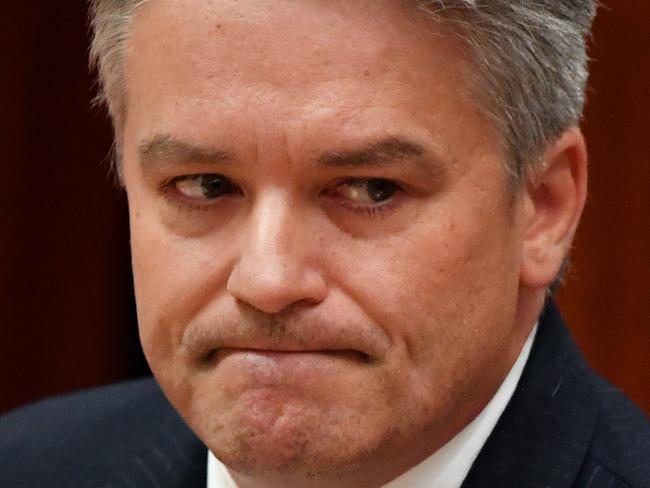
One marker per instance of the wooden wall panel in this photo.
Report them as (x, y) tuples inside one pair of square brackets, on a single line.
[(66, 312), (607, 297)]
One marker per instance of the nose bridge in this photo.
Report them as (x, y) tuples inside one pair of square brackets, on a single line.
[(275, 266), (274, 226)]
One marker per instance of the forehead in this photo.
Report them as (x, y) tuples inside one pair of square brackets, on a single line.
[(326, 70), (251, 31), (286, 47)]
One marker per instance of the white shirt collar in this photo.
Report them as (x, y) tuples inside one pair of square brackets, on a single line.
[(449, 465)]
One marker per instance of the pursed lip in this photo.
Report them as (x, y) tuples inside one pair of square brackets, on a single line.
[(204, 340), (278, 353)]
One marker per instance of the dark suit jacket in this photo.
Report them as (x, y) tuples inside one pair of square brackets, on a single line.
[(564, 427)]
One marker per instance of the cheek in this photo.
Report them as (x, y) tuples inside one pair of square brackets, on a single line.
[(154, 286), (173, 280), (173, 277), (447, 298), (436, 286)]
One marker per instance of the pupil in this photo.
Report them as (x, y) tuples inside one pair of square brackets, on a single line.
[(214, 186), (380, 190)]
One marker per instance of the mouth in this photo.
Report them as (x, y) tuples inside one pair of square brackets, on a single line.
[(217, 355)]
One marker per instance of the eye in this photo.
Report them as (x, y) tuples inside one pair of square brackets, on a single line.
[(203, 186), (364, 192)]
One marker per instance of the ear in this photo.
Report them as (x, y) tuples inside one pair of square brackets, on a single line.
[(553, 204)]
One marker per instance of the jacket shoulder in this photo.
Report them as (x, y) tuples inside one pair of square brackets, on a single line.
[(619, 451), (88, 438), (565, 426), (74, 417)]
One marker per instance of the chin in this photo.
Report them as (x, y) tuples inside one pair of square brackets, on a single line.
[(290, 439), (298, 454)]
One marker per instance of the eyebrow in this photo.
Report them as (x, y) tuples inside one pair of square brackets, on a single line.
[(386, 151), (167, 149), (383, 152)]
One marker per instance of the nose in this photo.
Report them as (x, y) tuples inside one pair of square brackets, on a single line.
[(277, 263)]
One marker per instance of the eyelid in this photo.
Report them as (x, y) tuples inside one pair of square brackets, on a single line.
[(191, 205), (170, 182), (372, 210), (366, 179), (360, 181), (185, 204)]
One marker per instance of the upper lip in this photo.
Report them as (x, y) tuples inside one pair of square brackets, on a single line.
[(202, 340)]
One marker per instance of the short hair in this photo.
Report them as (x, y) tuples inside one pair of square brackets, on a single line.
[(530, 61)]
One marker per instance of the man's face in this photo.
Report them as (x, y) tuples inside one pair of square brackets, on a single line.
[(326, 256)]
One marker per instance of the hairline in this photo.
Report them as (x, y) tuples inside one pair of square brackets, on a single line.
[(115, 95)]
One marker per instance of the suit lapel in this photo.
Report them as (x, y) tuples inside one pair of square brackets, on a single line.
[(543, 435)]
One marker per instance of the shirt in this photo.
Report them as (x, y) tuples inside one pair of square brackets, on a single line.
[(449, 465)]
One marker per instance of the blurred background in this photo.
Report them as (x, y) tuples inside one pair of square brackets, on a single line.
[(67, 317)]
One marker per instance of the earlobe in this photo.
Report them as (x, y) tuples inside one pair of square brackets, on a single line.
[(553, 204)]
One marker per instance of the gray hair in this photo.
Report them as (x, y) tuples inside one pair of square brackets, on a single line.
[(531, 62), (529, 55)]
